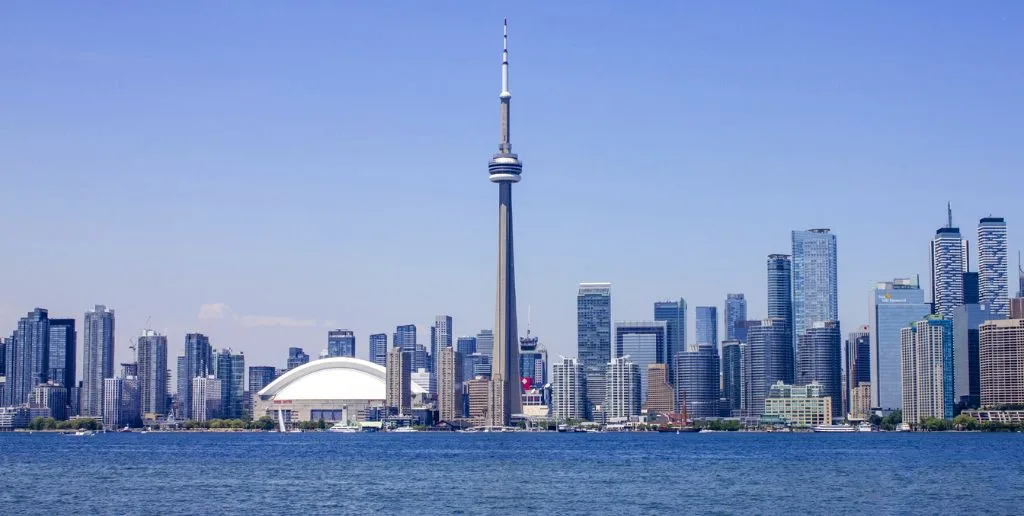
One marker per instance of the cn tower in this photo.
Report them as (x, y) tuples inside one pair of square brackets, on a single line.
[(506, 393)]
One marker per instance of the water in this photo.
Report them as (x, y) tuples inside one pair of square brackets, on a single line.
[(314, 473)]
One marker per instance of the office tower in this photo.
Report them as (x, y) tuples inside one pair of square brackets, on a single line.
[(815, 290), (399, 381), (379, 349), (661, 397), (533, 362), (62, 351), (197, 363), (341, 343), (440, 338), (707, 325), (1001, 358), (568, 390), (735, 316), (260, 377), (28, 357), (1017, 308), (697, 381), (972, 292), (207, 398), (131, 401), (949, 261), (770, 360), (926, 364), (296, 358), (230, 370), (993, 278), (673, 314), (420, 358), (485, 342), (404, 338), (780, 301), (893, 305), (98, 358), (182, 404), (594, 338), (3, 359), (53, 396), (732, 376), (152, 356), (858, 364), (466, 345), (820, 360), (129, 370), (622, 381), (449, 384), (644, 342), (1020, 277), (967, 321)]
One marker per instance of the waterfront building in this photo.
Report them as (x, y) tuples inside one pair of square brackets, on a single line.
[(860, 401), (993, 263), (568, 390), (53, 396), (197, 363), (207, 398), (803, 406), (780, 306), (28, 357), (707, 325), (341, 343), (399, 381), (949, 261), (661, 396), (622, 380), (927, 369), (594, 338), (478, 391), (735, 317), (449, 383), (697, 381), (644, 342), (894, 304), (379, 349), (858, 363), (152, 372), (97, 358), (815, 283), (1001, 362), (111, 414), (769, 360), (62, 351), (967, 321), (296, 357), (820, 361), (673, 314), (230, 370), (732, 376)]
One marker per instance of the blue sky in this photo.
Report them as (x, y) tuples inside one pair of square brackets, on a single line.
[(283, 170)]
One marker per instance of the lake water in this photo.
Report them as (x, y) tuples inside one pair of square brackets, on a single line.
[(547, 473)]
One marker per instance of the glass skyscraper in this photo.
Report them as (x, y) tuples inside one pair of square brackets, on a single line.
[(98, 358), (673, 314), (735, 316), (815, 290), (993, 279), (594, 337), (152, 373), (926, 363), (405, 338), (707, 325), (780, 301), (296, 357), (770, 351), (644, 343), (230, 370), (858, 360), (949, 262), (820, 360), (697, 381), (341, 343), (732, 376), (485, 343), (197, 363), (894, 304), (379, 349), (260, 377), (440, 338), (62, 350), (27, 357)]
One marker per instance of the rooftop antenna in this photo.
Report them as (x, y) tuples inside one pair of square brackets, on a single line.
[(949, 215)]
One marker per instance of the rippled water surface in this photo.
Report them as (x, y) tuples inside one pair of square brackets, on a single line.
[(313, 473)]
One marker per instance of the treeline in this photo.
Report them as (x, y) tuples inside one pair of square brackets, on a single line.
[(965, 422), (263, 423), (48, 423), (726, 425)]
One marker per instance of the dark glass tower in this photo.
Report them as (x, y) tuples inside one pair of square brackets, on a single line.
[(63, 340), (780, 300)]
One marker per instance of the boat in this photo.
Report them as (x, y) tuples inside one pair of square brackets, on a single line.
[(405, 429), (903, 427), (834, 428), (343, 427), (563, 428), (83, 433), (865, 427)]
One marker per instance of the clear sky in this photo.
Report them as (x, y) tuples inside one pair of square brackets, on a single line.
[(261, 173)]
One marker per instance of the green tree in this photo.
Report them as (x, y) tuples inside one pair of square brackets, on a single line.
[(935, 424), (965, 422), (265, 423), (892, 420)]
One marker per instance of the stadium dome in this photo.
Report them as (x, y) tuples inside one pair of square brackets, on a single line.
[(335, 378)]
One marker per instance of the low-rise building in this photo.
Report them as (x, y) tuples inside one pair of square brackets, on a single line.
[(799, 406)]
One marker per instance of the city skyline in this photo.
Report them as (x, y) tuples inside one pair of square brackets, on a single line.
[(215, 277)]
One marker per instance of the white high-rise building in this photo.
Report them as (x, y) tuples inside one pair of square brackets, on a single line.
[(98, 359), (926, 366), (568, 399), (949, 260), (622, 384), (993, 278), (206, 398), (440, 338)]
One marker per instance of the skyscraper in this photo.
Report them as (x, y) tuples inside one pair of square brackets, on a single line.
[(504, 169), (661, 397), (735, 316), (769, 360), (1020, 276), (993, 280), (28, 357), (732, 376), (967, 321), (533, 362), (622, 381), (972, 292), (466, 345), (404, 338), (926, 364), (893, 304), (780, 301), (398, 393), (485, 342), (697, 381), (1002, 362), (230, 370), (820, 360), (98, 358), (260, 377), (594, 338), (568, 390), (673, 313), (815, 290), (440, 338), (949, 261), (207, 398), (858, 362), (644, 343), (379, 349), (152, 356), (707, 325), (296, 357), (341, 343), (449, 383), (197, 363), (62, 351)]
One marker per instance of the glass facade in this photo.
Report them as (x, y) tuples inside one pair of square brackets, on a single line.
[(780, 297), (820, 360), (405, 338), (673, 314), (341, 343), (697, 381), (230, 370), (97, 358), (858, 363), (62, 351), (707, 325), (379, 349), (260, 377), (644, 344), (967, 320), (949, 262), (894, 304), (296, 357), (815, 290), (735, 317), (466, 345), (993, 279), (485, 343), (770, 352), (594, 337), (732, 376), (152, 372)]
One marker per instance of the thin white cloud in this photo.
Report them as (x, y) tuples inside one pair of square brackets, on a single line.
[(221, 311), (214, 311)]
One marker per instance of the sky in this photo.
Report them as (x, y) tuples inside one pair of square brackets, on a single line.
[(262, 173)]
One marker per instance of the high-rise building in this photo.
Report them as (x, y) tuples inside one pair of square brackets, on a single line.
[(967, 321), (533, 362), (207, 398), (379, 349), (972, 292), (732, 376), (568, 390), (466, 345), (622, 381), (707, 325), (926, 365), (53, 396), (661, 397), (478, 390), (893, 305), (341, 343), (27, 357), (644, 343), (230, 370), (404, 338), (858, 364), (1020, 277), (399, 381), (485, 342), (780, 304), (1001, 357), (260, 377), (594, 338), (111, 414), (735, 316), (820, 360), (769, 360), (949, 262), (993, 277), (673, 314), (98, 358), (697, 381), (152, 356), (197, 363), (449, 383), (296, 357), (815, 284), (62, 351), (440, 338)]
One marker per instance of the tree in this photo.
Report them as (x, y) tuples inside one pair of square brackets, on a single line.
[(965, 422), (892, 420), (935, 424), (265, 423)]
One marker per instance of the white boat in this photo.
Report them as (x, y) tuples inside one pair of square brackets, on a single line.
[(903, 427), (405, 429), (865, 427), (834, 428), (343, 427), (84, 433)]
